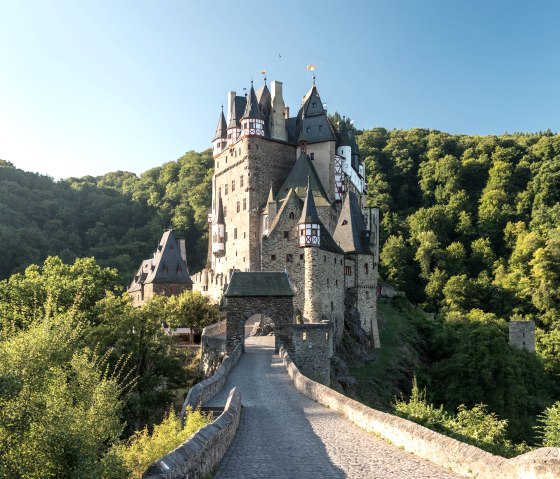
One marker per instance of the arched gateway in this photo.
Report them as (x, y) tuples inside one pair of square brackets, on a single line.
[(252, 293)]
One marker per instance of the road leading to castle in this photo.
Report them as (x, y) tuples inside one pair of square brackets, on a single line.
[(283, 434)]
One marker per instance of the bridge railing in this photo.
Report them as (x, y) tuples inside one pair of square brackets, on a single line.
[(470, 461), (201, 452), (216, 329)]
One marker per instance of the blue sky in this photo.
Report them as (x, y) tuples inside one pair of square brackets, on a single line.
[(88, 87)]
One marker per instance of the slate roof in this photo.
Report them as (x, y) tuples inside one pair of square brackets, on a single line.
[(219, 218), (252, 109), (350, 229), (313, 125), (343, 137), (221, 130), (297, 179), (167, 264), (259, 284), (290, 196), (309, 212), (239, 104)]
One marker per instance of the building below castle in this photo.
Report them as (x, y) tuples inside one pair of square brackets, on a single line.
[(288, 194), (166, 273)]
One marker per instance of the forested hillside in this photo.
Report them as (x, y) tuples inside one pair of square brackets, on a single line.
[(470, 230), (117, 218)]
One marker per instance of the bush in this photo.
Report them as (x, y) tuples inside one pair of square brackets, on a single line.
[(143, 449)]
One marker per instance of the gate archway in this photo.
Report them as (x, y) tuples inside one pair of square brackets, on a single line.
[(266, 293)]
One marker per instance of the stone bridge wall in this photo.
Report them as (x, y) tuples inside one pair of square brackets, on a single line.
[(447, 452), (312, 349), (207, 389), (201, 452)]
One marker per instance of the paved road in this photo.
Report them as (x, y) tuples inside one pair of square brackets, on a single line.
[(284, 434)]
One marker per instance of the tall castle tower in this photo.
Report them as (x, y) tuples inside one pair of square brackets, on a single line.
[(288, 194)]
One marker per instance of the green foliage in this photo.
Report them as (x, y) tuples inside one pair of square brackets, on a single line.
[(475, 426), (549, 428), (143, 449), (191, 309), (58, 408), (117, 218)]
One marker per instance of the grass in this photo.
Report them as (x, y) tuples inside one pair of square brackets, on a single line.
[(389, 369)]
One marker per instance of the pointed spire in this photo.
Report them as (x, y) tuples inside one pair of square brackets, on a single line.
[(270, 196), (221, 129), (309, 213), (343, 138), (219, 218), (252, 109)]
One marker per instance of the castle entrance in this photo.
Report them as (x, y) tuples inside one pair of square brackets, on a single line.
[(258, 296)]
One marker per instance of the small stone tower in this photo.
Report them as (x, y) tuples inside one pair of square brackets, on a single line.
[(522, 335)]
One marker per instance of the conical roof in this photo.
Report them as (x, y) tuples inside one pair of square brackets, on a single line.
[(309, 212), (252, 109), (350, 231), (221, 129), (343, 137), (297, 179), (218, 219)]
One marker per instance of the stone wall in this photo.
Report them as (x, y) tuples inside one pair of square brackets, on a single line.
[(324, 289), (366, 293), (284, 254), (213, 352), (201, 452), (278, 308), (447, 452), (522, 335), (312, 349), (207, 389)]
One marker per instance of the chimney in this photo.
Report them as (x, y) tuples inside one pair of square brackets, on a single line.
[(278, 123), (231, 105), (183, 249)]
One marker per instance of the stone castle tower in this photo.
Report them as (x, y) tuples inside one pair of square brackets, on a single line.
[(288, 194)]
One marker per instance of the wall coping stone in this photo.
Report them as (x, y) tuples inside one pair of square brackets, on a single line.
[(462, 458), (201, 452), (207, 389)]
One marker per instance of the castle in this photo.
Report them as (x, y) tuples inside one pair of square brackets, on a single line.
[(288, 194)]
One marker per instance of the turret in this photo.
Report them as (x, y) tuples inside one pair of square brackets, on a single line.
[(344, 146), (309, 225), (278, 120), (233, 130), (252, 121), (219, 141), (219, 231)]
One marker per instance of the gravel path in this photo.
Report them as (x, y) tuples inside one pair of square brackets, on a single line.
[(284, 434)]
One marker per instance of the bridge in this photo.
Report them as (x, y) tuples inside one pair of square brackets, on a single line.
[(283, 434)]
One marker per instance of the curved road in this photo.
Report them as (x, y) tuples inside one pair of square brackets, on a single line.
[(284, 434)]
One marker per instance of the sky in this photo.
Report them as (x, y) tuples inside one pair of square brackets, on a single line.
[(93, 86)]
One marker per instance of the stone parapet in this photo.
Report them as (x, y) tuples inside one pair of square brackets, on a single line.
[(201, 452), (207, 389), (447, 452)]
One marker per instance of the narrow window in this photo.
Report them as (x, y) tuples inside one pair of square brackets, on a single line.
[(292, 216), (289, 258), (225, 189), (234, 233), (304, 336), (272, 257), (232, 185), (301, 256), (366, 268), (244, 204), (241, 181), (332, 306), (312, 156), (286, 234), (225, 211), (238, 207)]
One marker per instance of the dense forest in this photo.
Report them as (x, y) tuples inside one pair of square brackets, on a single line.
[(116, 218), (470, 231)]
